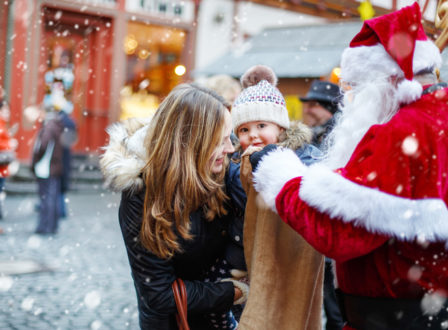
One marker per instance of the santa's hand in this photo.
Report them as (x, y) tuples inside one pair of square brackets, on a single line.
[(273, 170)]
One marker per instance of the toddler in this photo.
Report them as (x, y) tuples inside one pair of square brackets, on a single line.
[(259, 118)]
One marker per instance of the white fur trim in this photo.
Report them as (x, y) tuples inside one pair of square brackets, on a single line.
[(259, 111), (426, 55), (123, 159), (376, 211), (363, 63), (274, 170), (135, 143), (409, 91)]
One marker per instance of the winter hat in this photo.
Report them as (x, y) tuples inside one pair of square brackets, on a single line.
[(394, 44), (324, 92), (260, 99)]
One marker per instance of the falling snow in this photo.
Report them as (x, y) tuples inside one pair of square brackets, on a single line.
[(409, 146)]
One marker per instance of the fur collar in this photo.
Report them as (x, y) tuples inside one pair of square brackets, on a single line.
[(125, 156)]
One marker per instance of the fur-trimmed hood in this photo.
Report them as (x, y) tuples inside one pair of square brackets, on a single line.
[(125, 156), (296, 136)]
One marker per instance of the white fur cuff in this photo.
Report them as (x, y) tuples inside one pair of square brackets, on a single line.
[(274, 170)]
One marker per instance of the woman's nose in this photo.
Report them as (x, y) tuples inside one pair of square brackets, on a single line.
[(229, 148)]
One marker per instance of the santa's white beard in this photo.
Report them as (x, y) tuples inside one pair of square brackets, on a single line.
[(366, 105)]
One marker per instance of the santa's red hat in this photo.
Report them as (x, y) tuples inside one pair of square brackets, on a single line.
[(394, 45)]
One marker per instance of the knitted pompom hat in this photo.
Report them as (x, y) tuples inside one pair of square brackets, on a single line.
[(260, 100)]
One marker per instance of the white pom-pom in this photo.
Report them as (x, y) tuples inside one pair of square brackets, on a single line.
[(409, 91)]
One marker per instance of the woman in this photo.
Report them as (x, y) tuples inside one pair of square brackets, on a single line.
[(173, 214)]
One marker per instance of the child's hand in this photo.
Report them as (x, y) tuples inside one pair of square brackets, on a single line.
[(250, 150), (256, 157)]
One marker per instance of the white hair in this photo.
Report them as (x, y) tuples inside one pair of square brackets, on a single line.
[(366, 104)]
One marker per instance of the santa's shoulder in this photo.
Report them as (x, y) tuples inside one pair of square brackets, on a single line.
[(430, 109)]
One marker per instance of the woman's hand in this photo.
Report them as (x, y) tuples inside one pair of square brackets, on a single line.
[(246, 168)]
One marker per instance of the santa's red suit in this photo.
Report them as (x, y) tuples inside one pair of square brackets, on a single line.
[(383, 218)]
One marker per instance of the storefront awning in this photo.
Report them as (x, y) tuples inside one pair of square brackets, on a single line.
[(293, 52), (310, 51)]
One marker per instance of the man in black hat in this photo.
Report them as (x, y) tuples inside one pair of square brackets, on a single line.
[(320, 104)]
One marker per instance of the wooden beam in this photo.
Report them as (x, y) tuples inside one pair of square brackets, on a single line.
[(330, 9), (334, 10)]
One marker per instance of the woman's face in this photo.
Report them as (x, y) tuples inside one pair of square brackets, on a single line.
[(225, 147)]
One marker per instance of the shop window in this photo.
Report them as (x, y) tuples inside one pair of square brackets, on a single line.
[(153, 67), (177, 10), (162, 7)]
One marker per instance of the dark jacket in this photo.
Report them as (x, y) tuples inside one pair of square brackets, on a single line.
[(50, 131), (68, 138), (152, 275), (297, 138)]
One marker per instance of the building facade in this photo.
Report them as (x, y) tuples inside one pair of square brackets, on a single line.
[(113, 59)]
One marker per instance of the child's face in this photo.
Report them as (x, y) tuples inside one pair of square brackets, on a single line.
[(258, 134)]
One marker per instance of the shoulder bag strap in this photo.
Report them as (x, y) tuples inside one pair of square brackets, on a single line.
[(180, 297)]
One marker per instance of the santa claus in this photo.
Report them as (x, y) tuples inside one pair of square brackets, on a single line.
[(377, 204)]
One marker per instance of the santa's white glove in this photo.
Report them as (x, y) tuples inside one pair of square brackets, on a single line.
[(275, 169)]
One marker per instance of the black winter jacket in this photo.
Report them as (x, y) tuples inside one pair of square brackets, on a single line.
[(153, 276)]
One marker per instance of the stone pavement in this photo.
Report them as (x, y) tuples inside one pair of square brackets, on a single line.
[(76, 279)]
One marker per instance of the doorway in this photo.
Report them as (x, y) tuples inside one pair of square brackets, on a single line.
[(77, 55)]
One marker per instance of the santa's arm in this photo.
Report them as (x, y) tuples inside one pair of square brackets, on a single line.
[(348, 213), (332, 237), (277, 178)]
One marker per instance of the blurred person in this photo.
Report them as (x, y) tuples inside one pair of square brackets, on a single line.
[(47, 166), (68, 138), (226, 86), (7, 147), (377, 204), (319, 106), (173, 213), (56, 98)]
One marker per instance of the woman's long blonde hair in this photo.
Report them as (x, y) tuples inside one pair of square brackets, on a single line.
[(182, 136)]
